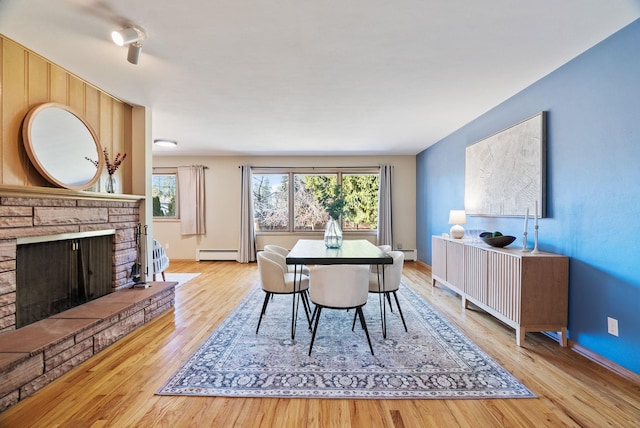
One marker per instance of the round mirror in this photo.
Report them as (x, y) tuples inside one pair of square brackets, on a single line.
[(58, 141)]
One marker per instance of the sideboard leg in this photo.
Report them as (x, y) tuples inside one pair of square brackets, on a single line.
[(520, 336), (563, 337), (465, 302)]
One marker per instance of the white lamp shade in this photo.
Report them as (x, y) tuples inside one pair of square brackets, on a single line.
[(457, 217)]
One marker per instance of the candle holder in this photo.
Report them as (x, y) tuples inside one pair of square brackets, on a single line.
[(524, 243), (535, 242)]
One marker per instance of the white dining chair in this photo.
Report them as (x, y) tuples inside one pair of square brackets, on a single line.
[(275, 280), (284, 252), (339, 287), (392, 280), (276, 249), (386, 249)]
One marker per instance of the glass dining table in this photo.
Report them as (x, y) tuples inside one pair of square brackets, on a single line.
[(352, 252)]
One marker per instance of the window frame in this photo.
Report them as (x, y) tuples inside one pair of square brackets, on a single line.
[(291, 172), (168, 171)]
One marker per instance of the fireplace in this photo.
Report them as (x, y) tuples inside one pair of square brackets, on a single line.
[(38, 353), (58, 272), (31, 216)]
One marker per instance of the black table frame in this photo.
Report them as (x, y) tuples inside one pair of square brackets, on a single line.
[(352, 252)]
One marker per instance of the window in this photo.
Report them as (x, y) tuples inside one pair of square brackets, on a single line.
[(308, 214), (279, 207), (271, 202), (362, 201), (164, 190)]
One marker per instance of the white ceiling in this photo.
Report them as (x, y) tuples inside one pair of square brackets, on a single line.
[(313, 77)]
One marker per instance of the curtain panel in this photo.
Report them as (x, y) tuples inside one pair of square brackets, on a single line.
[(247, 241), (385, 233), (191, 199)]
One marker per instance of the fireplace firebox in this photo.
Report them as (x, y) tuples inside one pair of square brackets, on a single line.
[(58, 272)]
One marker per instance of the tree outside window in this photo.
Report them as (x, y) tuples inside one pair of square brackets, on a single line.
[(277, 206), (271, 202), (164, 195)]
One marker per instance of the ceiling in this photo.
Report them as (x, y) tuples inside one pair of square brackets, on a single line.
[(314, 77)]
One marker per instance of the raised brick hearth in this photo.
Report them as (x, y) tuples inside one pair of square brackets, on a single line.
[(32, 356), (37, 354)]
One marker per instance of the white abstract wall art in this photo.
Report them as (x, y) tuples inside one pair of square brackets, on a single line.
[(505, 172)]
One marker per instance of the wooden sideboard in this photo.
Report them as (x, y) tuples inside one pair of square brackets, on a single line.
[(526, 291)]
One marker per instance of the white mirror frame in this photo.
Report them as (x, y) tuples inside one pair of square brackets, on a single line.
[(58, 141)]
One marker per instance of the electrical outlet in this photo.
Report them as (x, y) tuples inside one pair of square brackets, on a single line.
[(399, 246), (612, 326), (166, 245)]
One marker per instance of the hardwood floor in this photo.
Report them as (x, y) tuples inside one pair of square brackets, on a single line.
[(116, 387)]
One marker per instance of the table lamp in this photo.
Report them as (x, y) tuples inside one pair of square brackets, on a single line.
[(456, 218)]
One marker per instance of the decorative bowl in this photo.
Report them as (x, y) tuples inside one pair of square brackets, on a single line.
[(497, 241)]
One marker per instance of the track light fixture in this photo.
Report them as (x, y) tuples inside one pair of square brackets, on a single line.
[(133, 56), (133, 37)]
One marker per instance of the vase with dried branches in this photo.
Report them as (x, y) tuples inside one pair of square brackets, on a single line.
[(112, 167)]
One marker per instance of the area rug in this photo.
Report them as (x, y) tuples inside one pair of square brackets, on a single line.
[(433, 360), (180, 278)]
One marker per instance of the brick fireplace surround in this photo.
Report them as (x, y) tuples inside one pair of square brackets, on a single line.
[(37, 354)]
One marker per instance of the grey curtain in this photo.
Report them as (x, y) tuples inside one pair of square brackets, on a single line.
[(247, 244), (191, 197), (385, 234)]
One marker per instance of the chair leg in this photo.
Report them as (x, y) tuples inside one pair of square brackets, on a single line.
[(389, 300), (307, 307), (163, 278), (364, 327), (313, 315), (400, 310), (316, 314), (264, 309)]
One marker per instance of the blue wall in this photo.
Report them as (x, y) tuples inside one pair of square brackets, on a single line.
[(593, 187)]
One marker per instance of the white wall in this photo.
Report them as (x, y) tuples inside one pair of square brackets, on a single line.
[(223, 201)]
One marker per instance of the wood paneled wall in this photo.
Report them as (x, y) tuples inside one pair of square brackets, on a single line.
[(26, 80)]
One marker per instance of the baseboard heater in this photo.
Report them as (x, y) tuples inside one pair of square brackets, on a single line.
[(409, 255), (204, 255)]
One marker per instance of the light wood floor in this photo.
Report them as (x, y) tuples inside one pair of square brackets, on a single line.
[(116, 387)]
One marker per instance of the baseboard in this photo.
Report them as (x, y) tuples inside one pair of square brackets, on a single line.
[(214, 255), (604, 362)]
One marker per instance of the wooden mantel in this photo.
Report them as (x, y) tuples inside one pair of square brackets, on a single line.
[(59, 193)]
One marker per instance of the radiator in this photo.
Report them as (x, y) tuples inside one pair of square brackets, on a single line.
[(203, 254), (409, 255)]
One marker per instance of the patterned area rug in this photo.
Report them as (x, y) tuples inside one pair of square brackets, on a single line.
[(434, 360)]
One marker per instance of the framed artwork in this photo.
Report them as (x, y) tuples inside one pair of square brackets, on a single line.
[(505, 172)]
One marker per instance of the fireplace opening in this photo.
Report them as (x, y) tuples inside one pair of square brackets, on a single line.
[(58, 272)]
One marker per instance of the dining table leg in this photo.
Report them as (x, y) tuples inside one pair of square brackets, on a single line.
[(294, 309), (383, 306)]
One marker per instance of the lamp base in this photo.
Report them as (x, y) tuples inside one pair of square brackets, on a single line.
[(456, 231)]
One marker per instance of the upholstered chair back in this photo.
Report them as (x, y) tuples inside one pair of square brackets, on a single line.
[(392, 273), (339, 286)]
